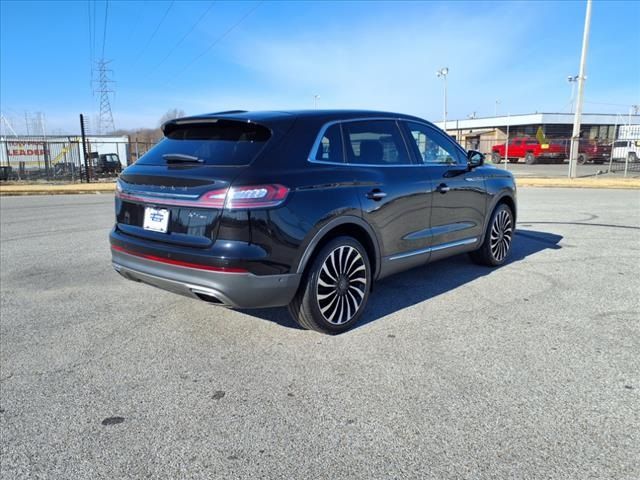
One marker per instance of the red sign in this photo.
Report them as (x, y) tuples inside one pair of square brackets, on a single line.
[(27, 152)]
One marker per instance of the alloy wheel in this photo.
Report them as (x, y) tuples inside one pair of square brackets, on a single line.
[(342, 284), (501, 235)]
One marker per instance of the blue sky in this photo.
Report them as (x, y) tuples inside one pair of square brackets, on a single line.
[(376, 55)]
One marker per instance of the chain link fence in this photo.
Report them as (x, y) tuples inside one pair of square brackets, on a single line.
[(597, 146), (62, 159)]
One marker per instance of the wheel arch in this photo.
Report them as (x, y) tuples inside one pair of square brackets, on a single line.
[(509, 201), (351, 226), (506, 197)]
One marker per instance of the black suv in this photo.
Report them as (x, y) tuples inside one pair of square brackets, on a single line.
[(305, 209)]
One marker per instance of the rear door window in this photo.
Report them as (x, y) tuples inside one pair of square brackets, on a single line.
[(223, 143), (374, 142)]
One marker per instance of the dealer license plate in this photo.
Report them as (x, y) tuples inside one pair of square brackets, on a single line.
[(156, 219)]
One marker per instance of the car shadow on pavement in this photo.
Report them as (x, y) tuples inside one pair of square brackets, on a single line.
[(423, 283)]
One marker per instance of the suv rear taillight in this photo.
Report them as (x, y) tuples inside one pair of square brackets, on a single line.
[(253, 196)]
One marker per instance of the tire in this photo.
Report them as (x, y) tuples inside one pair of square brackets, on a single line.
[(530, 158), (633, 157), (498, 238), (326, 299), (582, 159), (495, 157)]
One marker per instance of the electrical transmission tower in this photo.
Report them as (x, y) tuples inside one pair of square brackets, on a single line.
[(104, 82)]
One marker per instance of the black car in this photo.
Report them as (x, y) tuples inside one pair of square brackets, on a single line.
[(305, 209), (106, 163)]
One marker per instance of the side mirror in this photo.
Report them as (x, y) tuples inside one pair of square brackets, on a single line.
[(474, 159)]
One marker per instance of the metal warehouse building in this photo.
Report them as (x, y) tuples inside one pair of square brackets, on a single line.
[(483, 133)]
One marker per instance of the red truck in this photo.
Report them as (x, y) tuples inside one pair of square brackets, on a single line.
[(593, 151), (531, 150)]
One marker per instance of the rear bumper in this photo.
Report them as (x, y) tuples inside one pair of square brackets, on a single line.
[(237, 290)]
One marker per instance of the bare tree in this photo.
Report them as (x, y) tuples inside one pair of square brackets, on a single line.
[(171, 114)]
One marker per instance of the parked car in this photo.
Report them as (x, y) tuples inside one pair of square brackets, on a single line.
[(626, 150), (305, 209), (106, 163), (529, 149), (5, 172), (593, 151)]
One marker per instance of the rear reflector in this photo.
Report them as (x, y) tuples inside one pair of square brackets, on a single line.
[(179, 263)]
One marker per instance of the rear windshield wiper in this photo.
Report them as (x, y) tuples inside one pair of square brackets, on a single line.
[(181, 157)]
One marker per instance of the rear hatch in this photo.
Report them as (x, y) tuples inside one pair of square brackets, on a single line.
[(175, 192)]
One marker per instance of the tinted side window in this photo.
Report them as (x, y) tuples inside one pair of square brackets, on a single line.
[(330, 146), (433, 148), (374, 142)]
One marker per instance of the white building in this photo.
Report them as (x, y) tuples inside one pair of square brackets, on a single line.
[(483, 133)]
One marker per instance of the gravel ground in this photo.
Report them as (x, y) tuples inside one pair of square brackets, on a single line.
[(528, 371)]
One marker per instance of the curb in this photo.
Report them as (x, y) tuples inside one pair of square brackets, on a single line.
[(91, 188), (618, 183)]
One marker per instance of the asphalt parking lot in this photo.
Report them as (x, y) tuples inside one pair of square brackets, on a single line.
[(528, 371)]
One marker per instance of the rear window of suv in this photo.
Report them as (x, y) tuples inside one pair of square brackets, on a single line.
[(223, 143)]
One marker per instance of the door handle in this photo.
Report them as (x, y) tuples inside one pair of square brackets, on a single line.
[(442, 188), (376, 195)]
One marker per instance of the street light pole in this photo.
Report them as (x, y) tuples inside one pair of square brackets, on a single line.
[(315, 101), (575, 137), (572, 79), (443, 72)]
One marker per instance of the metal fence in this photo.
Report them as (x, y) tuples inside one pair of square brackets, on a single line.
[(62, 159), (613, 155), (34, 159)]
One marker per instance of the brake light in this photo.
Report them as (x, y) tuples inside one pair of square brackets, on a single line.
[(254, 196)]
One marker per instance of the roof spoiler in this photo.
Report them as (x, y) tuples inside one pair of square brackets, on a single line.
[(166, 127)]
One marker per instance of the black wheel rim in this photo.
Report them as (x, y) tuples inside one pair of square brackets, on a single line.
[(501, 235), (342, 284)]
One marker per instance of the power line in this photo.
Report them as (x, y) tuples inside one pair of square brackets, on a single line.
[(193, 27), (155, 31), (90, 34), (95, 9), (104, 35), (219, 39)]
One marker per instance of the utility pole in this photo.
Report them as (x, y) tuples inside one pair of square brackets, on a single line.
[(575, 137), (442, 73), (572, 79)]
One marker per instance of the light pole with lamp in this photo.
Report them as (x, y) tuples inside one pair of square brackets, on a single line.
[(442, 73), (573, 79), (316, 97)]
